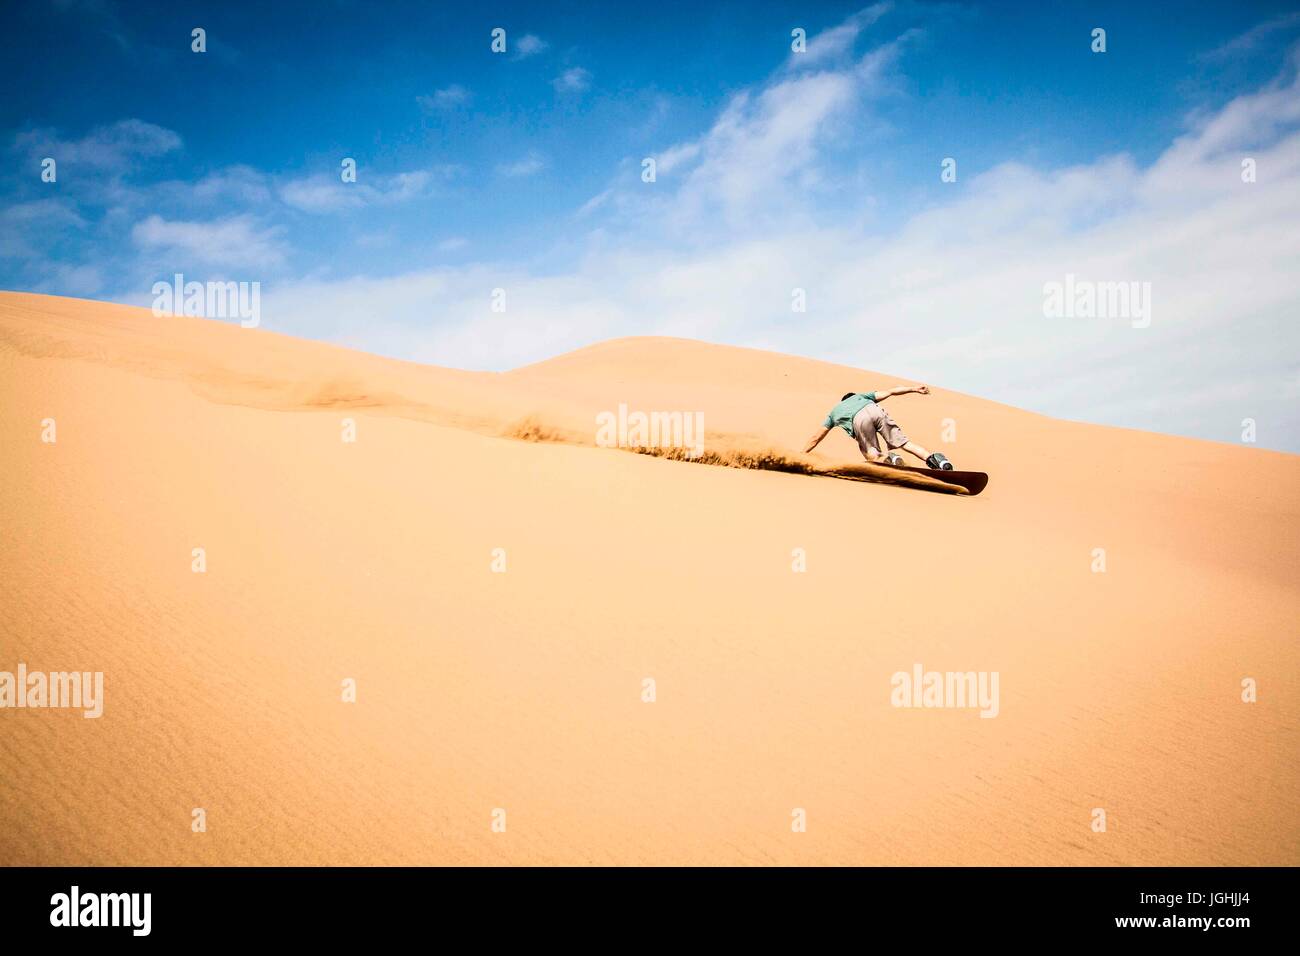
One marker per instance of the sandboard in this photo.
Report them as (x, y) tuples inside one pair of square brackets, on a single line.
[(973, 481), (968, 482)]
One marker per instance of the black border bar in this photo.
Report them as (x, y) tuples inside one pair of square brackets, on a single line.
[(968, 905)]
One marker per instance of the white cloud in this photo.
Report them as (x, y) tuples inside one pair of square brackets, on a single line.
[(239, 185), (42, 214), (573, 80), (327, 193), (242, 184), (595, 202), (530, 164), (323, 193), (762, 140), (1246, 43), (83, 280), (446, 98), (838, 41), (114, 147), (27, 229), (529, 45), (676, 156), (761, 161), (237, 242), (1241, 123)]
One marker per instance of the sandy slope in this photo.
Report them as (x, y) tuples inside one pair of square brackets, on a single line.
[(521, 690)]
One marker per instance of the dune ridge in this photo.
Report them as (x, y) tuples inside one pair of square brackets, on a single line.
[(216, 377)]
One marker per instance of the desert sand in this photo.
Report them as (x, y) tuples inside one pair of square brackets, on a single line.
[(479, 690)]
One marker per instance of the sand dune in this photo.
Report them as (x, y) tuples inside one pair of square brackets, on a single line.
[(476, 690)]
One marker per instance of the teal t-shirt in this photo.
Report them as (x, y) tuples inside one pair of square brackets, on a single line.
[(842, 414)]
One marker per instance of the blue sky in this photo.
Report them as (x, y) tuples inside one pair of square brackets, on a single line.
[(776, 170)]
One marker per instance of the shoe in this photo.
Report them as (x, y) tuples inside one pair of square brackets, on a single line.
[(938, 461), (893, 458)]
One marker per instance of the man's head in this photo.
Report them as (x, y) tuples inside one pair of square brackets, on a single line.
[(847, 395)]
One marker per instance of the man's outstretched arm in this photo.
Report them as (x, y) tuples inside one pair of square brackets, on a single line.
[(902, 390), (817, 439)]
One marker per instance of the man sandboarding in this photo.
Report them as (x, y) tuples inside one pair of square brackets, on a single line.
[(860, 415)]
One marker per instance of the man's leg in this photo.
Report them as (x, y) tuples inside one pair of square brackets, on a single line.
[(864, 430), (894, 438), (890, 456), (917, 450), (931, 461), (870, 451)]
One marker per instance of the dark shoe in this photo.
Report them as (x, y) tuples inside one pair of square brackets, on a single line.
[(938, 461)]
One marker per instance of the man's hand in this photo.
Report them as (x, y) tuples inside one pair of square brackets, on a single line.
[(922, 389), (816, 439)]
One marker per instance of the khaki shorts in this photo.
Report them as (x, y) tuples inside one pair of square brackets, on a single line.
[(871, 421)]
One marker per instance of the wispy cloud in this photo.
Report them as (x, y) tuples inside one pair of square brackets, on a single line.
[(573, 80), (235, 242), (595, 202), (838, 41), (101, 14), (530, 164), (327, 193), (42, 213), (677, 156), (67, 279), (448, 97), (241, 184), (28, 229), (761, 161), (529, 45), (1246, 43), (113, 147), (321, 193)]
